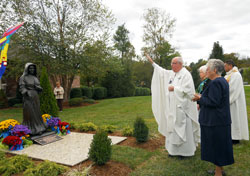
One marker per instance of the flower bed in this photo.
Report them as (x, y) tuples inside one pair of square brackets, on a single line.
[(16, 136)]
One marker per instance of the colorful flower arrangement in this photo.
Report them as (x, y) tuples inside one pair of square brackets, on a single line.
[(14, 142), (20, 131), (6, 126), (46, 117), (16, 136), (56, 124), (13, 134), (64, 128)]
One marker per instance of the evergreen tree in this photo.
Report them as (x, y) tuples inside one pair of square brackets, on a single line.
[(217, 52), (48, 103)]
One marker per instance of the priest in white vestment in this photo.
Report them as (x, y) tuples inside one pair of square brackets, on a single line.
[(237, 103), (174, 111)]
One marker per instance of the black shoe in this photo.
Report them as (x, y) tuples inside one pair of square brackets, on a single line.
[(236, 141), (212, 172), (170, 156)]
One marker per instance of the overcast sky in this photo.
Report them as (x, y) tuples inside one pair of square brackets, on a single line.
[(199, 24)]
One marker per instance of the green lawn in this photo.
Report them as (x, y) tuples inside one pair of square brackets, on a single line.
[(122, 112)]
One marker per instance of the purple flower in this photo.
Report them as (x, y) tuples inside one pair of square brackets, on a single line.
[(53, 122), (20, 128)]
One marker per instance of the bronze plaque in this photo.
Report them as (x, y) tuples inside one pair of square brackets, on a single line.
[(48, 139)]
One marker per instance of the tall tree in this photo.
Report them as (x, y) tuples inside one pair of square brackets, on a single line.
[(96, 55), (55, 32), (158, 29), (217, 52), (122, 43)]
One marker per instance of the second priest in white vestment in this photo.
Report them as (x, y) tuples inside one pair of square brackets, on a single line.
[(237, 102), (175, 113)]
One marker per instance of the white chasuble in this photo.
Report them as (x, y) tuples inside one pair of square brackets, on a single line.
[(175, 113), (237, 105)]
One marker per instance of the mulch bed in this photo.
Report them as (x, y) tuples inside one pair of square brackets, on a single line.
[(112, 168)]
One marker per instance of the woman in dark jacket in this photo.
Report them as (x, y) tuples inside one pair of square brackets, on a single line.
[(215, 120)]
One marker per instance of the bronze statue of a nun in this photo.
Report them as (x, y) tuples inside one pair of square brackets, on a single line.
[(30, 87)]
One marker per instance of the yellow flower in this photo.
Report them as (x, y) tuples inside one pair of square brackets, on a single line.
[(55, 127), (23, 138), (63, 127), (6, 123), (27, 135)]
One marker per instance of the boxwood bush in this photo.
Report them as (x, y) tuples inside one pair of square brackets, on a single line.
[(75, 101), (99, 93), (87, 91), (75, 93), (90, 101), (142, 91)]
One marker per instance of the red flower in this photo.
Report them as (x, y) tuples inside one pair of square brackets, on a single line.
[(12, 140)]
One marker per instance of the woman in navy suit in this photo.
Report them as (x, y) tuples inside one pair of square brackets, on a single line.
[(215, 120)]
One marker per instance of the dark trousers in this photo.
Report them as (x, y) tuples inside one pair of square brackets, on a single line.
[(59, 104)]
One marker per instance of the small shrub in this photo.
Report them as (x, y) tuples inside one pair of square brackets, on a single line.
[(47, 168), (142, 91), (109, 128), (140, 130), (75, 102), (73, 125), (87, 91), (90, 101), (84, 97), (99, 93), (2, 155), (85, 171), (75, 93), (127, 131), (100, 148), (16, 164), (84, 127), (27, 143)]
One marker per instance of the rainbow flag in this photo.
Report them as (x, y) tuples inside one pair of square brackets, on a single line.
[(4, 45)]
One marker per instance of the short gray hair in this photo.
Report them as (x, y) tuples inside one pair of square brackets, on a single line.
[(216, 64), (203, 68), (179, 59)]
